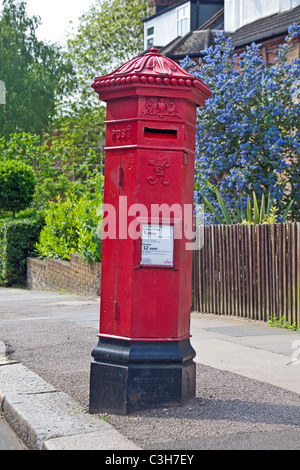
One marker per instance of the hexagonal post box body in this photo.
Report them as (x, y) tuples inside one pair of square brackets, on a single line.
[(144, 357)]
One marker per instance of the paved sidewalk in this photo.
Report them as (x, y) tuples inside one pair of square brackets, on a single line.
[(248, 348), (45, 417)]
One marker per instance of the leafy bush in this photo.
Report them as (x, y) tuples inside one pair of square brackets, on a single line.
[(248, 131), (71, 227), (55, 189), (24, 147), (265, 213), (17, 185), (17, 242)]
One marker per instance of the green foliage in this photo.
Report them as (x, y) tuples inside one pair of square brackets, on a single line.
[(17, 241), (247, 137), (22, 146), (260, 213), (17, 185), (71, 218), (32, 150), (109, 34), (55, 189), (34, 73), (71, 227), (281, 323), (78, 146), (72, 154), (90, 242)]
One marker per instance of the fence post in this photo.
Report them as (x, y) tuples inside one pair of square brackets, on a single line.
[(250, 271)]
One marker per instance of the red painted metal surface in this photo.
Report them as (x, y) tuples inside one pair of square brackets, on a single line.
[(150, 146)]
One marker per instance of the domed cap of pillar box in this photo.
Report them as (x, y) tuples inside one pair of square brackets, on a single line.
[(151, 69)]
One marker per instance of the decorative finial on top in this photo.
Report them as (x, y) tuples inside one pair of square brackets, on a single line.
[(151, 69)]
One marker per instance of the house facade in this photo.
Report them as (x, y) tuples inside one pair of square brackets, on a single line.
[(172, 19), (238, 13), (270, 30), (181, 28)]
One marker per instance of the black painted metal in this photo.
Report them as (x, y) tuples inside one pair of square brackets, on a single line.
[(127, 376)]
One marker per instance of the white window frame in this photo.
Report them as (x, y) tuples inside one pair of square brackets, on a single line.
[(2, 93), (292, 4), (185, 9), (235, 16), (150, 37)]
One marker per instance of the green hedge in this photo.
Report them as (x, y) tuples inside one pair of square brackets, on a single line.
[(17, 242)]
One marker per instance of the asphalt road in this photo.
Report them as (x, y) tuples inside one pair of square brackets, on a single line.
[(53, 335)]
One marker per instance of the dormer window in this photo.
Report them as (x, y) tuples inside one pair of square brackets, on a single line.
[(150, 37), (183, 20)]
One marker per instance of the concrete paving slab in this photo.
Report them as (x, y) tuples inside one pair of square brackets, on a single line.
[(240, 331), (248, 348), (259, 336), (279, 344)]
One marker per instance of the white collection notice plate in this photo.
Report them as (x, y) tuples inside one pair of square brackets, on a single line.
[(157, 245)]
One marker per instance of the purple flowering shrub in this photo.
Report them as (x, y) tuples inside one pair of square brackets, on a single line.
[(248, 131)]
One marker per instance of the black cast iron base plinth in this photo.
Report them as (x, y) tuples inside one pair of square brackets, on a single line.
[(128, 376)]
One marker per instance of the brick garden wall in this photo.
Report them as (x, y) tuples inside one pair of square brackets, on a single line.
[(74, 276)]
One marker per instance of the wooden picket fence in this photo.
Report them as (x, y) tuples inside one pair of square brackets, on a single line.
[(249, 271)]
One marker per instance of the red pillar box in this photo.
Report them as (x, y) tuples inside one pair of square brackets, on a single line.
[(144, 357)]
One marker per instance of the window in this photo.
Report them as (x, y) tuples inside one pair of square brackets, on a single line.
[(233, 14), (228, 15), (238, 13), (2, 93), (150, 37), (183, 21), (241, 12), (285, 5), (288, 4)]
